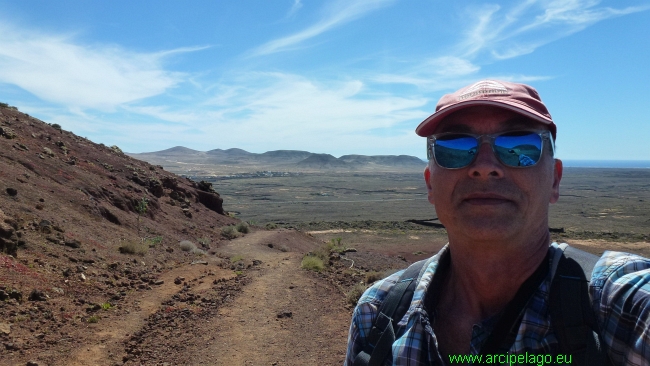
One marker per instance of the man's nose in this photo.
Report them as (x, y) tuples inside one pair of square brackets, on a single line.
[(486, 163)]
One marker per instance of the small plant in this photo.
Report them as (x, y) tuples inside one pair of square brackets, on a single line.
[(187, 246), (141, 209), (198, 251), (239, 273), (242, 227), (152, 242), (373, 276), (353, 296), (229, 232), (205, 242), (4, 105), (236, 258), (93, 319), (106, 305), (271, 226), (312, 263), (56, 126), (134, 248)]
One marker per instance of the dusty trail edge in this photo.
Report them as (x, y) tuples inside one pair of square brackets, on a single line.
[(284, 316)]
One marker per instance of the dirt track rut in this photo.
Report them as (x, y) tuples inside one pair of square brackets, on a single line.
[(245, 330)]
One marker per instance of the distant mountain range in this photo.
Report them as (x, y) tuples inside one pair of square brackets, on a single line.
[(180, 159)]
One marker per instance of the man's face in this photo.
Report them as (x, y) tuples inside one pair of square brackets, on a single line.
[(488, 201)]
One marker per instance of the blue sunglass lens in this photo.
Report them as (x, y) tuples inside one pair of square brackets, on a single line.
[(515, 149), (520, 149), (455, 151)]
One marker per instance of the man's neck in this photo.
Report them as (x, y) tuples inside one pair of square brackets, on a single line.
[(485, 277)]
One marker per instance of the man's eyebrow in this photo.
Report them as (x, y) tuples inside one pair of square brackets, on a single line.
[(518, 122), (456, 128)]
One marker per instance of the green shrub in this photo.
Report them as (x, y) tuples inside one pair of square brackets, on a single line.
[(93, 319), (187, 246), (132, 247), (229, 232), (236, 258), (56, 126), (106, 305), (4, 105), (204, 242), (242, 227), (152, 242), (312, 263), (353, 296), (271, 226)]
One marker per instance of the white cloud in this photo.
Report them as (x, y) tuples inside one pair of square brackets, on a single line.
[(56, 69), (297, 4), (336, 14), (267, 111), (507, 33)]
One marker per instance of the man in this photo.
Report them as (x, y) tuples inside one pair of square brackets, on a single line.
[(491, 176)]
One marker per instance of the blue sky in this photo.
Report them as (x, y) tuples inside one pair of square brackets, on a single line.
[(338, 77)]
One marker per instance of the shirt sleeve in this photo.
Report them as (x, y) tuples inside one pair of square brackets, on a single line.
[(364, 316), (621, 291)]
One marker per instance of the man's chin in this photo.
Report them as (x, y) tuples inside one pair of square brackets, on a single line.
[(485, 230)]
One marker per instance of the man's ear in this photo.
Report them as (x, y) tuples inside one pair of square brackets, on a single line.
[(557, 176), (427, 179)]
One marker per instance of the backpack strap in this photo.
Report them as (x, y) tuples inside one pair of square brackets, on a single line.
[(397, 302), (572, 316)]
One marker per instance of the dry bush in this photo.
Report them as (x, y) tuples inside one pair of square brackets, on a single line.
[(353, 296), (229, 232), (243, 228), (198, 251), (187, 246), (312, 263), (134, 247), (373, 276)]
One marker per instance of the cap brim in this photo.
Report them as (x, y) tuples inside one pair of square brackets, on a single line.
[(428, 126)]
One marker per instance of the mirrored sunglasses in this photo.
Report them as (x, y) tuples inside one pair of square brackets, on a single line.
[(516, 149)]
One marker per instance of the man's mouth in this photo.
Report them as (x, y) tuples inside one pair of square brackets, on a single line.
[(486, 199)]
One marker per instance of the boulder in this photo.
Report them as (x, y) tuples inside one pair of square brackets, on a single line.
[(211, 201)]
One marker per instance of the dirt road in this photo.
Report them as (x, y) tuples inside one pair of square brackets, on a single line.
[(272, 313)]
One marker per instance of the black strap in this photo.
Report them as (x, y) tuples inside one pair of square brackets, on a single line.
[(382, 335), (505, 330), (572, 316)]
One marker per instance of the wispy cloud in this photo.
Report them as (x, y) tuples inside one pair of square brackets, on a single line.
[(55, 68), (510, 32), (297, 4), (494, 32), (264, 108), (336, 14)]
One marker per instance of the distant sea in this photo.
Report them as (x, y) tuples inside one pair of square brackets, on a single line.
[(632, 164)]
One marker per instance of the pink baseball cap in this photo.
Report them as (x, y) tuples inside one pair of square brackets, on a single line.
[(519, 98)]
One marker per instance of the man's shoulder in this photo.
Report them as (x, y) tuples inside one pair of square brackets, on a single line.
[(616, 266), (378, 291)]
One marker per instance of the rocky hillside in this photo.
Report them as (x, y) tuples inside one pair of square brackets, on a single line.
[(84, 226)]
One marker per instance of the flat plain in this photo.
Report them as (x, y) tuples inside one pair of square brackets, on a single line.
[(601, 208)]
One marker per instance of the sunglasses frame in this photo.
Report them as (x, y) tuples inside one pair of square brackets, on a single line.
[(491, 138)]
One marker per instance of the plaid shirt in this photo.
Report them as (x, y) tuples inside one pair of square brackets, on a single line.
[(620, 290)]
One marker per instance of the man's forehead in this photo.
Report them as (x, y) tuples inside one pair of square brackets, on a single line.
[(473, 119)]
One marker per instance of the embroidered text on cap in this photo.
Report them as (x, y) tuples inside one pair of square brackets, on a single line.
[(483, 88)]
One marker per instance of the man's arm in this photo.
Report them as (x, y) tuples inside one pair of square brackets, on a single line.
[(621, 285)]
